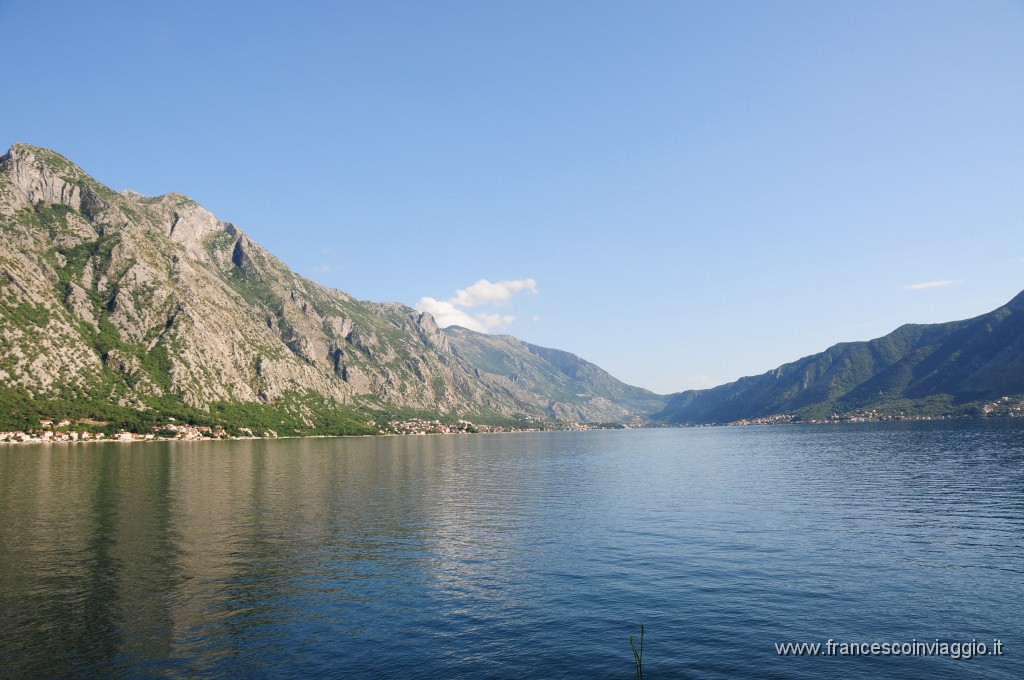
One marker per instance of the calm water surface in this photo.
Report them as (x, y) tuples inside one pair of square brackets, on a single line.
[(512, 556)]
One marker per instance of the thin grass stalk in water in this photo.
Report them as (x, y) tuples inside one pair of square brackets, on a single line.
[(637, 655)]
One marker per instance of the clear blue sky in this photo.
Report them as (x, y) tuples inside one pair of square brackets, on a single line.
[(699, 190)]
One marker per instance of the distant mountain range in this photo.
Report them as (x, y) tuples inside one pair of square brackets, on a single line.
[(953, 368), (128, 308), (568, 388)]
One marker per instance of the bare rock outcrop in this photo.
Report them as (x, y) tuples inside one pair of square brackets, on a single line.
[(35, 178)]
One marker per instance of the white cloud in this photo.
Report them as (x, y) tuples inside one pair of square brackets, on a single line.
[(450, 312), (928, 284), (483, 292), (495, 321), (322, 269), (446, 314)]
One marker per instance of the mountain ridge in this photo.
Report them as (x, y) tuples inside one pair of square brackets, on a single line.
[(124, 307), (117, 303), (946, 368), (575, 388)]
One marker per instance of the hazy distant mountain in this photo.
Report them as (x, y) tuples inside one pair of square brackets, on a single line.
[(116, 304), (917, 369), (568, 387)]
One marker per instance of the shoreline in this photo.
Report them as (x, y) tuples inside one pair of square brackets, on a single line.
[(854, 421), (154, 440)]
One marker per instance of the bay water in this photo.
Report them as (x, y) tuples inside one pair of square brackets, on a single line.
[(519, 555)]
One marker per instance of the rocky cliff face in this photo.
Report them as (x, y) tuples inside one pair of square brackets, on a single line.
[(149, 301)]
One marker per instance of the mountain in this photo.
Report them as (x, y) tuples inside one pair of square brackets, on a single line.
[(128, 308), (564, 385), (946, 368)]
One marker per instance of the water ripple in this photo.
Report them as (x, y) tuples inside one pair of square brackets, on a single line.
[(521, 555)]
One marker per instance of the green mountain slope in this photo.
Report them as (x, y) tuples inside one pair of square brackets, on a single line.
[(122, 307), (946, 368), (566, 386)]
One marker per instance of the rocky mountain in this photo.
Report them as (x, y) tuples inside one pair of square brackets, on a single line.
[(566, 386), (116, 305), (947, 368)]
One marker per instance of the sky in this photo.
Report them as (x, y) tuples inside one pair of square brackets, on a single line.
[(680, 192)]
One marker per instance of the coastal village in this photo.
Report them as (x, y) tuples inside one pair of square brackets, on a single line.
[(66, 431), (1004, 407), (423, 426)]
